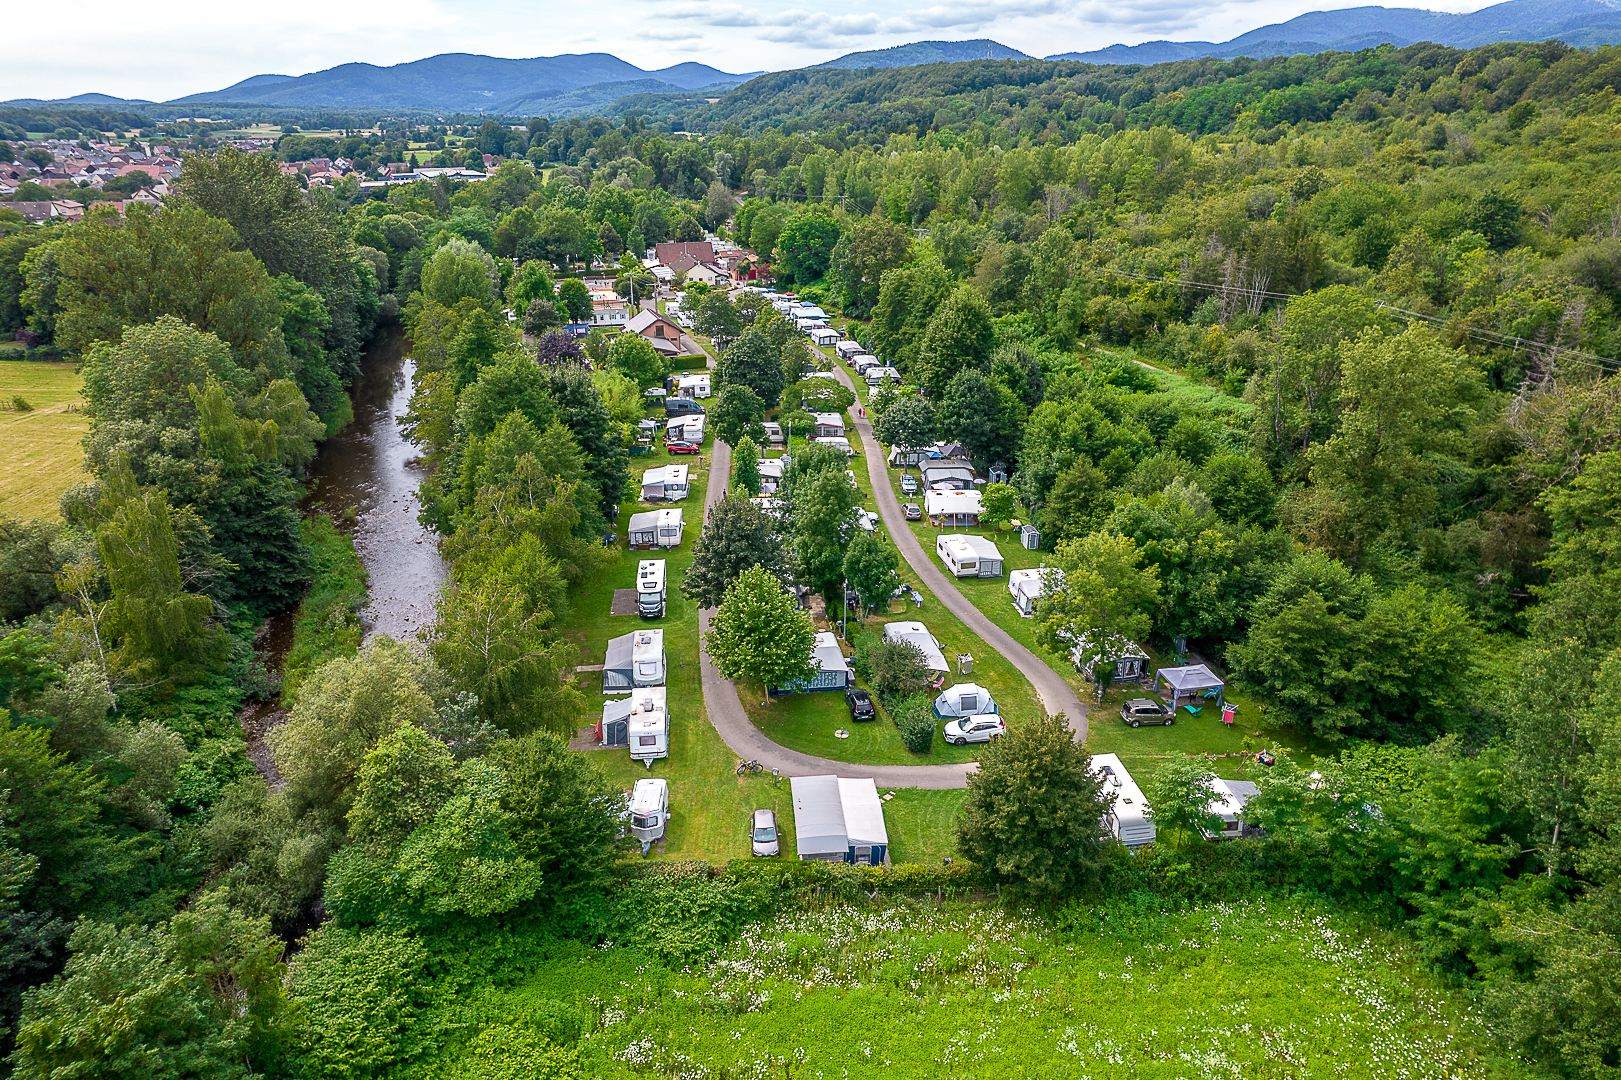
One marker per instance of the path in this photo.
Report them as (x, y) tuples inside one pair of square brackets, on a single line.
[(1056, 695), (725, 708)]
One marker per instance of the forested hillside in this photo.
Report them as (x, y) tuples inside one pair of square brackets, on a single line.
[(1309, 366)]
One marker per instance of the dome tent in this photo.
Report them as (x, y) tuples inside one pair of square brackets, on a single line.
[(965, 699)]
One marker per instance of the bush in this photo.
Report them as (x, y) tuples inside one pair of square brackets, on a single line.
[(915, 718), (861, 660), (897, 670)]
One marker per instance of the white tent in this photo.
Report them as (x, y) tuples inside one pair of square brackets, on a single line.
[(918, 634), (965, 699)]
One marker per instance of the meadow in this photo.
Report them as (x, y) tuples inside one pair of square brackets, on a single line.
[(40, 455), (1254, 989)]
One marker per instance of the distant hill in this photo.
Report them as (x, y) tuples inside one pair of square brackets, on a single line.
[(461, 82), (1576, 22), (927, 52)]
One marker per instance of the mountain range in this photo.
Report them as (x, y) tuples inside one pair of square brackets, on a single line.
[(588, 82)]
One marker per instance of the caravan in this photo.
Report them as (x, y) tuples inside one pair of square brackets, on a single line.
[(656, 528), (650, 592), (1028, 586), (646, 721), (649, 811), (634, 659), (969, 556), (1128, 819)]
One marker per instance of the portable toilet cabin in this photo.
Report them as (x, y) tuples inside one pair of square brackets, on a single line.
[(1127, 819), (666, 483), (965, 699), (634, 659), (656, 529), (1030, 537), (649, 810), (650, 589)]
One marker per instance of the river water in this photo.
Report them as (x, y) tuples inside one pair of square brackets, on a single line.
[(371, 467)]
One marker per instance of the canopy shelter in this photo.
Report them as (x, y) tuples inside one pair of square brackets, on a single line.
[(965, 699), (1189, 682)]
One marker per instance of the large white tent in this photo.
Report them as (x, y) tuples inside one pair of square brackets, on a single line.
[(964, 699), (839, 819), (1189, 682)]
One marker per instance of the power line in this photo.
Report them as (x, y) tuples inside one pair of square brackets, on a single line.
[(1605, 365)]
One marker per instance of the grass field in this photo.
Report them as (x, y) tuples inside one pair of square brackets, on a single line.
[(40, 455), (913, 990)]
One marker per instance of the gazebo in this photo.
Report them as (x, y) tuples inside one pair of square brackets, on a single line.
[(1188, 682)]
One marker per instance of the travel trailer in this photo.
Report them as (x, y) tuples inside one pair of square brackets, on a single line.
[(1128, 818), (969, 556), (649, 811), (634, 659)]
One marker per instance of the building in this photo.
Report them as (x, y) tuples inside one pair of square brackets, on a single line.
[(665, 334), (698, 251), (839, 819)]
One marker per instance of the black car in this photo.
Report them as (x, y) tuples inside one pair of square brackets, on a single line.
[(1140, 711), (860, 703)]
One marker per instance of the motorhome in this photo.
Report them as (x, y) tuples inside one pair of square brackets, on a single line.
[(649, 811), (650, 589), (1128, 818)]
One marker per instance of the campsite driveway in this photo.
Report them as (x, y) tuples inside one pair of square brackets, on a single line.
[(726, 713), (1056, 695)]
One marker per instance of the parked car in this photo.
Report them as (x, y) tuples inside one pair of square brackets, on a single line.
[(682, 447), (912, 511), (860, 703), (1140, 711), (763, 837), (974, 729), (908, 484)]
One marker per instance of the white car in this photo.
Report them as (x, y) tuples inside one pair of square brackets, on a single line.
[(763, 837), (974, 729)]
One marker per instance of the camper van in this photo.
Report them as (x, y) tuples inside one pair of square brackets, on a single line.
[(650, 593), (1128, 818), (681, 406), (649, 811)]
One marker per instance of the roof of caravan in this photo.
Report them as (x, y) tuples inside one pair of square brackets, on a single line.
[(918, 635), (665, 474), (818, 816)]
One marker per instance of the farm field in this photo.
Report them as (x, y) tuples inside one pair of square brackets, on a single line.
[(40, 455), (1259, 988)]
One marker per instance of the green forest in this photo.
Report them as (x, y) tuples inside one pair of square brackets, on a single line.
[(1307, 365)]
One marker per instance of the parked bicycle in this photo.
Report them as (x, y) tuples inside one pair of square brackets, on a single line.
[(747, 766)]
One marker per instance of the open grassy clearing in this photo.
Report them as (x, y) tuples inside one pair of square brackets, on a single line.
[(40, 455), (1254, 989)]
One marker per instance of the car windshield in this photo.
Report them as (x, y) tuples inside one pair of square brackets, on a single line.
[(765, 834)]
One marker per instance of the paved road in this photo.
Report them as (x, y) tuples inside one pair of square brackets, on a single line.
[(747, 741), (1056, 695)]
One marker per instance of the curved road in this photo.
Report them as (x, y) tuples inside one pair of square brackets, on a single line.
[(726, 713), (1056, 695)]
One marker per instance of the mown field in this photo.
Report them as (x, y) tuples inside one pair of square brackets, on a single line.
[(40, 455), (1260, 989)]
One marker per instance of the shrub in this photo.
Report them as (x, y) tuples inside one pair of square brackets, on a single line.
[(21, 404), (915, 718), (861, 658), (897, 670)]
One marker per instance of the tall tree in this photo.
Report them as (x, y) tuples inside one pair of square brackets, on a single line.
[(959, 338), (737, 536), (1033, 817), (759, 632), (1105, 590)]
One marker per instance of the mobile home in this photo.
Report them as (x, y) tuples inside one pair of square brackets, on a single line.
[(824, 336), (667, 483), (839, 819), (650, 589), (952, 509), (828, 424), (832, 669), (656, 529), (1127, 819), (634, 659)]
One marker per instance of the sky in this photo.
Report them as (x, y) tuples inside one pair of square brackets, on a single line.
[(172, 48)]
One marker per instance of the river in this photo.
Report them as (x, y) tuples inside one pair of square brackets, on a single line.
[(371, 467)]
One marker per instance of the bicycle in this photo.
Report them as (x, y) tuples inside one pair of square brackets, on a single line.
[(747, 766)]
